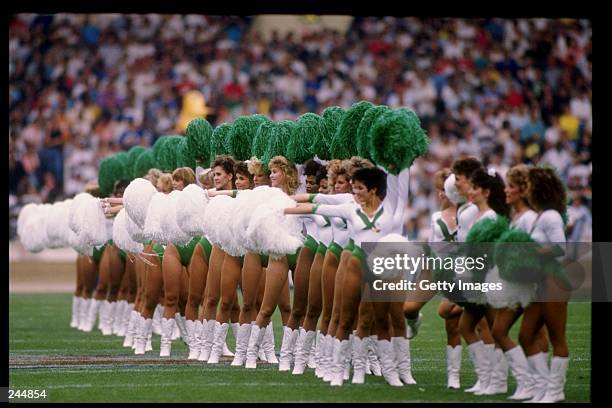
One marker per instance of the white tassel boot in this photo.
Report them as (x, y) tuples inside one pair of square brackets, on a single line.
[(286, 351), (269, 348), (125, 321), (303, 351), (83, 313), (76, 308), (218, 342), (498, 384), (520, 370), (131, 329), (242, 343), (118, 316), (92, 315), (207, 337), (328, 358), (318, 353), (341, 354), (453, 366), (556, 380), (478, 355), (373, 362), (157, 316), (386, 357), (538, 366), (144, 327), (312, 357), (255, 339), (193, 330), (166, 337), (360, 357), (401, 346)]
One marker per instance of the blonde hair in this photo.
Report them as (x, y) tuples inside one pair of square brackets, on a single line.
[(166, 182), (288, 168), (255, 166), (334, 169), (440, 176), (153, 175), (355, 163), (184, 174), (519, 176), (92, 188), (206, 178)]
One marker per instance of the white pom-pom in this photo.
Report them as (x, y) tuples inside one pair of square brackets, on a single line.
[(75, 217), (451, 190), (34, 237), (94, 224), (54, 226), (156, 212), (136, 233), (121, 237), (214, 212), (24, 214), (174, 234), (271, 232), (191, 209), (136, 198)]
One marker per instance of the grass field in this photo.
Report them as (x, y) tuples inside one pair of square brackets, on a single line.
[(72, 366)]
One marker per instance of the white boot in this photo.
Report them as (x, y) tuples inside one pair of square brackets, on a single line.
[(478, 354), (556, 380), (218, 342), (84, 313), (387, 363), (193, 330), (318, 353), (157, 316), (328, 358), (255, 339), (180, 323), (341, 355), (520, 370), (166, 337), (360, 357), (268, 345), (347, 363), (242, 343), (286, 351), (127, 315), (149, 345), (137, 327), (498, 384), (488, 363), (118, 316), (103, 316), (453, 366), (208, 333), (303, 352), (401, 346), (144, 327), (312, 357), (107, 328), (226, 351), (412, 326), (324, 360), (538, 366), (92, 315), (373, 362), (297, 348), (76, 308), (131, 329)]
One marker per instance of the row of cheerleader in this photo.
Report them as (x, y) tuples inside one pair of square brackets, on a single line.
[(271, 200)]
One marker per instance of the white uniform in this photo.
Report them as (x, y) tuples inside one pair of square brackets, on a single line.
[(466, 216)]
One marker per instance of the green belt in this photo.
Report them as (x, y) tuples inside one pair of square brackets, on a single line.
[(351, 245), (206, 246), (311, 243), (160, 250), (335, 249), (186, 251), (97, 254), (263, 259), (322, 248)]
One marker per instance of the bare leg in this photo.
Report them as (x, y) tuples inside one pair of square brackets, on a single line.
[(351, 297), (276, 280), (197, 270), (284, 303), (171, 272), (345, 256), (230, 276), (300, 288), (313, 310), (328, 276), (213, 283), (251, 276)]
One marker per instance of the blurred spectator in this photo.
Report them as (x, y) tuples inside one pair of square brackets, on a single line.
[(50, 191), (579, 220)]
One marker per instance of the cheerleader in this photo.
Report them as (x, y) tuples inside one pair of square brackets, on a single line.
[(230, 277), (486, 192), (283, 175), (223, 178), (175, 277), (547, 196)]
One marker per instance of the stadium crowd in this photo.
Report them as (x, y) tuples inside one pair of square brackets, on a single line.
[(508, 91)]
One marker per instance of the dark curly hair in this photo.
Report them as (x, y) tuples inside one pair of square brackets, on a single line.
[(225, 162), (311, 168), (372, 177), (546, 190), (495, 184), (465, 167)]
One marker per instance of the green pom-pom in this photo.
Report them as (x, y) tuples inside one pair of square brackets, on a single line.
[(199, 133), (485, 231), (133, 154), (397, 139), (243, 131), (262, 138), (363, 131), (343, 144), (219, 140), (307, 129), (144, 163), (124, 159), (278, 140), (184, 156), (332, 116), (158, 146), (169, 154), (520, 262), (111, 170)]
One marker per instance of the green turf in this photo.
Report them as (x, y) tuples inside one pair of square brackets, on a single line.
[(39, 326)]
